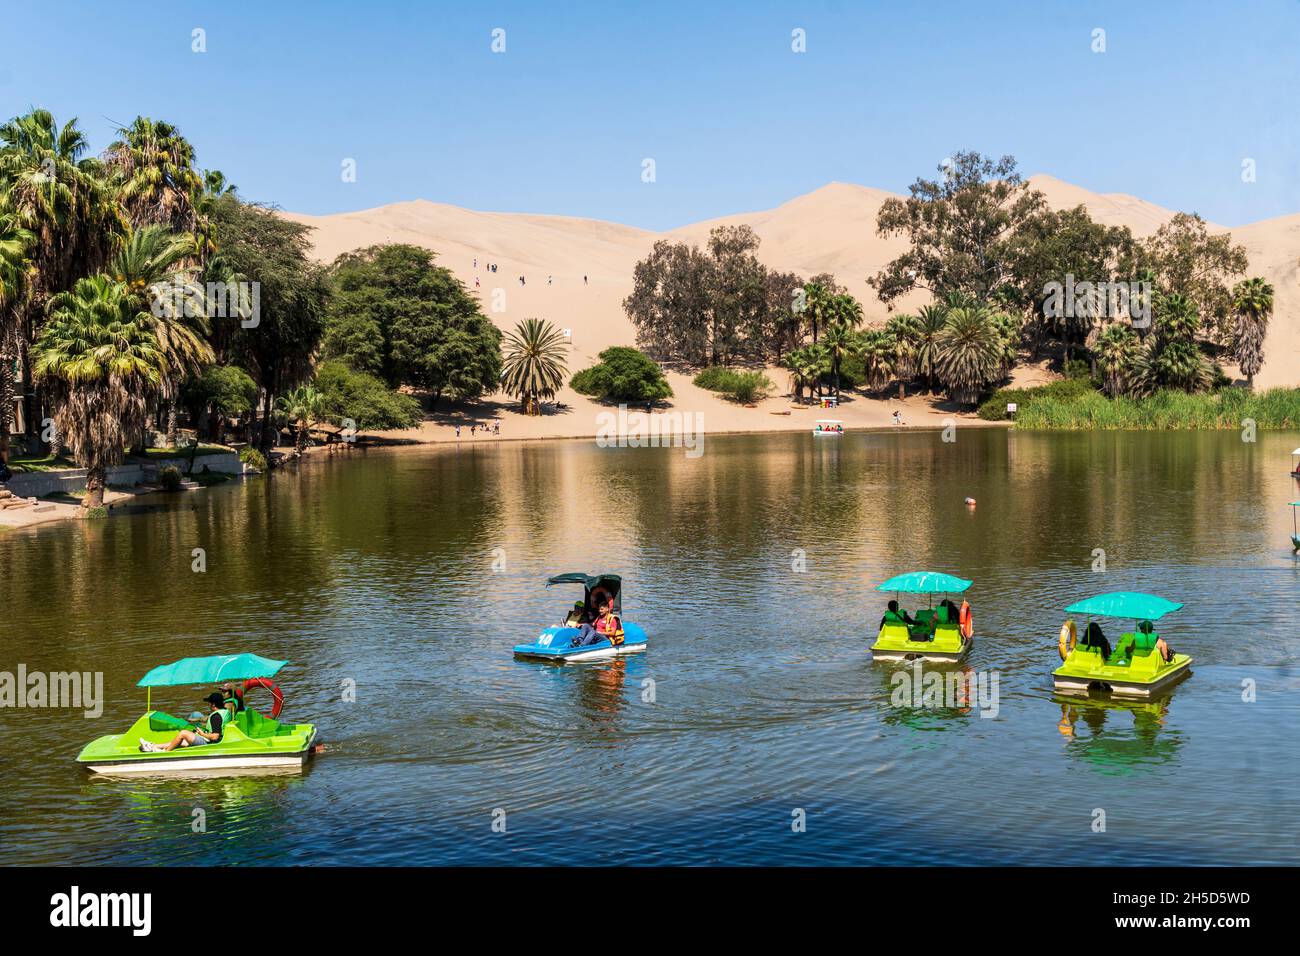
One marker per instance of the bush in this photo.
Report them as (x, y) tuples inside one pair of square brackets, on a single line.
[(714, 378), (170, 479), (743, 387), (253, 459), (994, 408), (364, 399), (623, 375)]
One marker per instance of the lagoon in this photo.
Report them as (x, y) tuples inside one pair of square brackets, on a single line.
[(754, 730)]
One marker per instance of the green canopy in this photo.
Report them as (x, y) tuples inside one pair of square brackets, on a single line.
[(1295, 504), (1132, 604), (210, 670), (588, 581), (925, 582)]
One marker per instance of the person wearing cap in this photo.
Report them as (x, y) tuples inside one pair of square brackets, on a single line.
[(207, 732)]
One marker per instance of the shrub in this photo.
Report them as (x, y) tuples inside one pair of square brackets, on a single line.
[(994, 408), (746, 387), (253, 459), (1277, 408), (364, 399), (715, 378), (170, 479), (623, 375)]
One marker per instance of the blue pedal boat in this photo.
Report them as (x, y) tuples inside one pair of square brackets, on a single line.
[(555, 644)]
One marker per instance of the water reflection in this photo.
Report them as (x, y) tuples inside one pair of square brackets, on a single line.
[(1117, 736)]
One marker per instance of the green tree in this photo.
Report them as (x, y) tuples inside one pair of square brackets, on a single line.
[(1252, 301), (534, 366), (152, 165), (365, 400), (1191, 262), (960, 228), (1116, 350), (878, 350), (623, 375), (14, 242), (299, 409), (101, 362), (223, 391), (397, 315), (807, 365)]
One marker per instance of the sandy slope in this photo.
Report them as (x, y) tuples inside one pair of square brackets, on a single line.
[(831, 229)]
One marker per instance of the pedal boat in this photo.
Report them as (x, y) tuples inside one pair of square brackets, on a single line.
[(933, 637), (555, 643), (251, 742), (1135, 668), (1295, 527), (828, 428), (1295, 463)]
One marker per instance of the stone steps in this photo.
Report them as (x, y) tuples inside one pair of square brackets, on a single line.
[(13, 504)]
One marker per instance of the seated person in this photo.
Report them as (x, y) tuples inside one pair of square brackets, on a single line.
[(948, 612), (233, 698), (922, 629), (578, 616), (207, 732), (1165, 651), (607, 627), (894, 616), (1093, 637)]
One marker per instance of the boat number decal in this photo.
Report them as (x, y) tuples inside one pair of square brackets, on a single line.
[(543, 640)]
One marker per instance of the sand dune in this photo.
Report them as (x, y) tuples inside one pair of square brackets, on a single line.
[(832, 229)]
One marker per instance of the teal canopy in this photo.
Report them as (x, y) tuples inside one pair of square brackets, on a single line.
[(210, 670), (925, 582), (588, 581), (1295, 504), (1132, 604)]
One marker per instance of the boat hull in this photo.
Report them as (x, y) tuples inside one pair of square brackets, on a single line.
[(945, 645), (286, 750), (938, 657), (553, 646), (1105, 680)]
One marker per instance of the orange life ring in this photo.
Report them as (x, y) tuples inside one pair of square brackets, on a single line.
[(277, 695), (966, 619)]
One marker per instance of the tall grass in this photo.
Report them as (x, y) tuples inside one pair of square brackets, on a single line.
[(1226, 408)]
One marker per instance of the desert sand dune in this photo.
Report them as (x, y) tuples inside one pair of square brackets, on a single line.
[(832, 229)]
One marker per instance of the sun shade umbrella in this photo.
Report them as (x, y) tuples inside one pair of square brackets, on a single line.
[(1134, 604)]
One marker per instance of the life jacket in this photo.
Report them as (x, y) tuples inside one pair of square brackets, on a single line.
[(225, 718), (611, 627)]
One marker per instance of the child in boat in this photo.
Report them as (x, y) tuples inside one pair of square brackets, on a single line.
[(208, 732)]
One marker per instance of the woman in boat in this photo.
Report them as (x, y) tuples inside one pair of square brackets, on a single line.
[(208, 732), (607, 626), (1166, 654)]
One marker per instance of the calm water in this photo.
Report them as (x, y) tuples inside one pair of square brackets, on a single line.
[(379, 569)]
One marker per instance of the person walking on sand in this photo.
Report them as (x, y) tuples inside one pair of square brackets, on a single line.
[(496, 427), (458, 432), (898, 417), (548, 280)]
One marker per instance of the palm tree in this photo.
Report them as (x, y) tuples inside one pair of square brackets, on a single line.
[(969, 353), (534, 366), (1116, 352), (300, 409), (14, 241), (817, 300), (65, 202), (101, 362), (906, 330), (174, 308), (931, 319), (152, 165), (1252, 300), (843, 315), (878, 349), (807, 365)]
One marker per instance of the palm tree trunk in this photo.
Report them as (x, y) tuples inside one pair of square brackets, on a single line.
[(6, 405), (171, 424), (95, 480)]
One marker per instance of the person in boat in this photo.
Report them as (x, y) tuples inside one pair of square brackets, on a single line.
[(950, 611), (232, 699), (207, 732), (894, 615), (1166, 653), (606, 627), (578, 616), (1093, 637)]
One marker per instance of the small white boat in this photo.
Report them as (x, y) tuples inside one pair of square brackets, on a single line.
[(828, 428)]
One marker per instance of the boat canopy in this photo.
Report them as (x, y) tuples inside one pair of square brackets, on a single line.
[(210, 670), (1296, 452), (588, 581), (1132, 604), (925, 582)]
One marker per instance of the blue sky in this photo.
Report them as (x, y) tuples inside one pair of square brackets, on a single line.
[(734, 120)]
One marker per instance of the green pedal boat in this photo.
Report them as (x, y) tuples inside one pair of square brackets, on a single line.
[(250, 741), (1139, 665), (941, 633)]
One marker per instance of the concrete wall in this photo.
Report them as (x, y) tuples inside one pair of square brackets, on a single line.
[(42, 483)]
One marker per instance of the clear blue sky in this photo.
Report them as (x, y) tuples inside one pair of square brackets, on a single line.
[(711, 91)]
